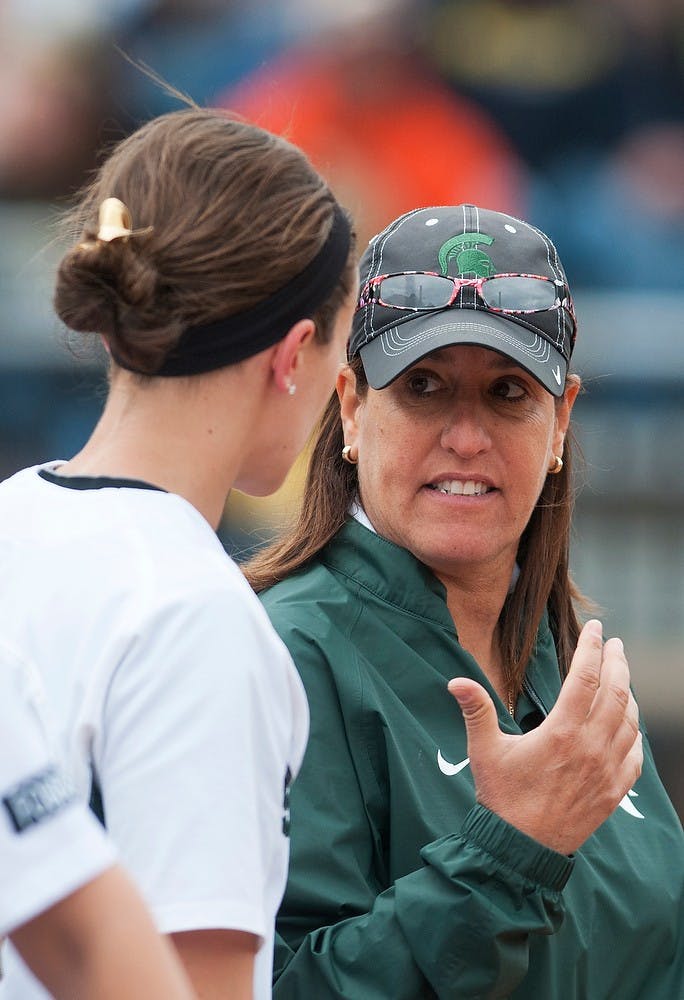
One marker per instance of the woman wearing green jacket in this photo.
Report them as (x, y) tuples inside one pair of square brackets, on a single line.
[(524, 845)]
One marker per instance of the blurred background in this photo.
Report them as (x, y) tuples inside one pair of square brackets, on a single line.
[(569, 114)]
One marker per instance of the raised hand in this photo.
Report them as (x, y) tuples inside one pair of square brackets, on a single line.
[(559, 782)]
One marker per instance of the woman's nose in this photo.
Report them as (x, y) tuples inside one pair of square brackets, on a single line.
[(465, 433)]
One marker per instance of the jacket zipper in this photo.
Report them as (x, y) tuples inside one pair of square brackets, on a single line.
[(534, 697)]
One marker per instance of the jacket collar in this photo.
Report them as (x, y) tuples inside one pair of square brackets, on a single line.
[(394, 576), (387, 571)]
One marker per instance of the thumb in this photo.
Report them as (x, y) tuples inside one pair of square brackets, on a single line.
[(479, 712)]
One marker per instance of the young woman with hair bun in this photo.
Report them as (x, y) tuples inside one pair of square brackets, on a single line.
[(220, 273)]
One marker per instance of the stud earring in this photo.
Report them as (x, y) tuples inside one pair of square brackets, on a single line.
[(557, 466), (346, 455), (291, 388)]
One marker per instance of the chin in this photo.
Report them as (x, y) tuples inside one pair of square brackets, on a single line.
[(442, 557)]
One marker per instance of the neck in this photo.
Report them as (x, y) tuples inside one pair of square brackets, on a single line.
[(183, 435), (475, 607)]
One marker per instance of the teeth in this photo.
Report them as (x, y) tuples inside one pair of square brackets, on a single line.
[(456, 487)]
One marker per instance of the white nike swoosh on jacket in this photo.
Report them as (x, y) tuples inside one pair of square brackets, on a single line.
[(449, 769)]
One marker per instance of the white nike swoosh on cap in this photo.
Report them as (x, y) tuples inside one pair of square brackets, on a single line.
[(449, 769), (556, 374)]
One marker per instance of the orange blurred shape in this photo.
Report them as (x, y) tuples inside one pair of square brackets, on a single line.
[(385, 131)]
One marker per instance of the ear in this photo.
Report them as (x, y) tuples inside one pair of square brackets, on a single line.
[(350, 404), (563, 410), (287, 354)]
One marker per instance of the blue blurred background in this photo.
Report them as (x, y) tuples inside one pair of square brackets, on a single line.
[(568, 113)]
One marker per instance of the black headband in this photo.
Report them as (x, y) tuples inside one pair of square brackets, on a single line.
[(209, 346)]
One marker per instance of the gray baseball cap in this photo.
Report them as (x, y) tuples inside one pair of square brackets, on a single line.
[(396, 325)]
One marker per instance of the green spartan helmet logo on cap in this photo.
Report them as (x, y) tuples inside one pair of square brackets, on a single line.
[(469, 260)]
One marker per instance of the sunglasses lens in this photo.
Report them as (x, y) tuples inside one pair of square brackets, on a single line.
[(519, 294), (416, 291)]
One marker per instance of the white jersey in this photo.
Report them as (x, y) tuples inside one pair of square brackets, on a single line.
[(50, 844), (169, 686)]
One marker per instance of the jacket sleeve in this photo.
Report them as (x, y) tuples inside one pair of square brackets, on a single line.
[(457, 927)]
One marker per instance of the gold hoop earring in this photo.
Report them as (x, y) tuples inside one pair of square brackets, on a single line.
[(557, 466), (346, 455)]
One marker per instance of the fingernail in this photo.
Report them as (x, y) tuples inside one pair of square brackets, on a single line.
[(462, 697), (595, 628)]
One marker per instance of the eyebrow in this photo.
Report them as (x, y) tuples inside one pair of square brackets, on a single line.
[(503, 361)]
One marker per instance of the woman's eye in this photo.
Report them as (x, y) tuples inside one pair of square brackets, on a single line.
[(509, 389), (423, 384)]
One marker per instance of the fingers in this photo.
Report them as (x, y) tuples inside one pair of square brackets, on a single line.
[(613, 698), (479, 715), (582, 682), (627, 733), (628, 773), (634, 761), (610, 727)]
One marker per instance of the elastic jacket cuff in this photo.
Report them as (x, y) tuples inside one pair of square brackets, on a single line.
[(514, 849)]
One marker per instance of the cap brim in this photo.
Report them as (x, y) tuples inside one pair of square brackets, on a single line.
[(394, 350)]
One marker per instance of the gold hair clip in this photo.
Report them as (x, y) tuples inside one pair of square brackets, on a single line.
[(114, 221)]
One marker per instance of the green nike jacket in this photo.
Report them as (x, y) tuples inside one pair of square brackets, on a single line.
[(401, 885)]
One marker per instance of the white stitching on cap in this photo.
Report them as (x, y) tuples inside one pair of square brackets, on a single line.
[(469, 289), (555, 267), (474, 290), (394, 344), (556, 270), (370, 314), (390, 230)]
